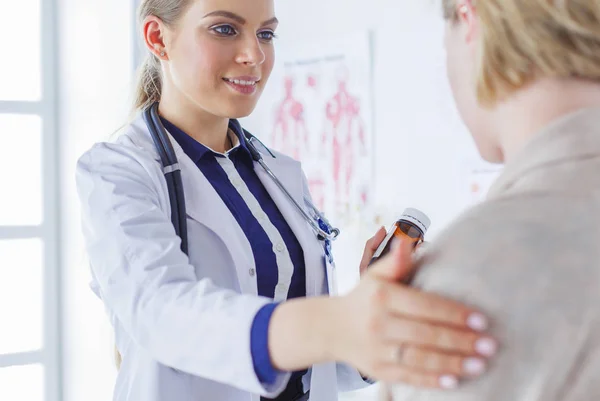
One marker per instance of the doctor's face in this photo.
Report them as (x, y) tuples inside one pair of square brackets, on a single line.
[(221, 54)]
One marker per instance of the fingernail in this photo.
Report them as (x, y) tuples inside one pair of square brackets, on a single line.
[(448, 382), (474, 366), (486, 347), (477, 322)]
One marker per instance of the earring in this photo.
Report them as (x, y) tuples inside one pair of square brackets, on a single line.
[(463, 12), (162, 54)]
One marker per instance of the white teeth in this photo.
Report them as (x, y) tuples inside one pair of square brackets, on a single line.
[(241, 82)]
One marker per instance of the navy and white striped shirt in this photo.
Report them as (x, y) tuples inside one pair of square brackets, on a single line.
[(278, 256)]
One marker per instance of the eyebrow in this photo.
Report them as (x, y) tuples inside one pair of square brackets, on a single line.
[(270, 22), (237, 18)]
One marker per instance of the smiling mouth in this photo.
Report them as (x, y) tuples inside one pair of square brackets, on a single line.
[(241, 82)]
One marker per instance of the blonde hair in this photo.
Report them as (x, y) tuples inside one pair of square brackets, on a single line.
[(525, 39), (149, 79), (148, 86)]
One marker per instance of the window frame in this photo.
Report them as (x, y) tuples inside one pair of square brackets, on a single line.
[(49, 356)]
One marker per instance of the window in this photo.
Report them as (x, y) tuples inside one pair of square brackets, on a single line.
[(29, 338)]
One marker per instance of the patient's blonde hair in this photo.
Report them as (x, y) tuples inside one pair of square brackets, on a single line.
[(525, 39)]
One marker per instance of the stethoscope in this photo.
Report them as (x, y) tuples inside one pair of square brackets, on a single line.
[(172, 171)]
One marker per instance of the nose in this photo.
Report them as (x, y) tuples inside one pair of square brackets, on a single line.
[(251, 52)]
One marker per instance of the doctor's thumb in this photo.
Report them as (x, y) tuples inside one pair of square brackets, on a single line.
[(397, 264)]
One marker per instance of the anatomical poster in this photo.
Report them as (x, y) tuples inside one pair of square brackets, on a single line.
[(320, 114)]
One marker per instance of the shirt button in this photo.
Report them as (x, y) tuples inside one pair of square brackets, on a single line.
[(236, 182), (280, 247), (252, 272), (261, 216), (280, 288)]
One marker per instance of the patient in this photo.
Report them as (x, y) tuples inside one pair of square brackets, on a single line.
[(525, 75)]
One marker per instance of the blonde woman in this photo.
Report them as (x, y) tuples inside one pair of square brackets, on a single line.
[(526, 80), (249, 311)]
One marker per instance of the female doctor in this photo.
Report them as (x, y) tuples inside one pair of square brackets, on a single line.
[(248, 312)]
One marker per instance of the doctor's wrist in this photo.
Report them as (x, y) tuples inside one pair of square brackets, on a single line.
[(332, 328), (302, 333)]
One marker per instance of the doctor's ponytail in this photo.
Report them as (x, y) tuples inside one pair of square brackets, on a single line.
[(149, 84), (149, 80)]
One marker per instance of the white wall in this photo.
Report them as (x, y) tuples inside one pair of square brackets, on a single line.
[(95, 73)]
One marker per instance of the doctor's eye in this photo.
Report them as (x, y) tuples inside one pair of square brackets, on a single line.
[(267, 36), (225, 30)]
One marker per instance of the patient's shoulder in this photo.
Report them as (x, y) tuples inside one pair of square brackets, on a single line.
[(531, 265), (507, 247), (484, 231), (520, 228)]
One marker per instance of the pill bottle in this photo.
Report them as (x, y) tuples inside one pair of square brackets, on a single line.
[(412, 226)]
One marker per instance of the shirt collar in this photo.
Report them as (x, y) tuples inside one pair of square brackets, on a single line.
[(195, 150)]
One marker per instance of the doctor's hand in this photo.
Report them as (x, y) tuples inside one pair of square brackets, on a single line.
[(395, 333)]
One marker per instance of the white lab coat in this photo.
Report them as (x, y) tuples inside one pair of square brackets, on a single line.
[(183, 324)]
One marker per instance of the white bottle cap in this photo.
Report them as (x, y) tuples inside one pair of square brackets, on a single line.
[(416, 217)]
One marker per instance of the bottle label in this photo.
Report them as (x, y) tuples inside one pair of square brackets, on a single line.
[(385, 242)]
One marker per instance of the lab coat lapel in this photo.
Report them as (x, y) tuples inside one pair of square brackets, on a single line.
[(204, 205), (290, 174)]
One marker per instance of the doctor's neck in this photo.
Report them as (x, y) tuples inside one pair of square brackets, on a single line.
[(206, 128)]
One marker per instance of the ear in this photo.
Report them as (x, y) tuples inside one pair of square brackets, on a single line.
[(467, 15), (154, 29)]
